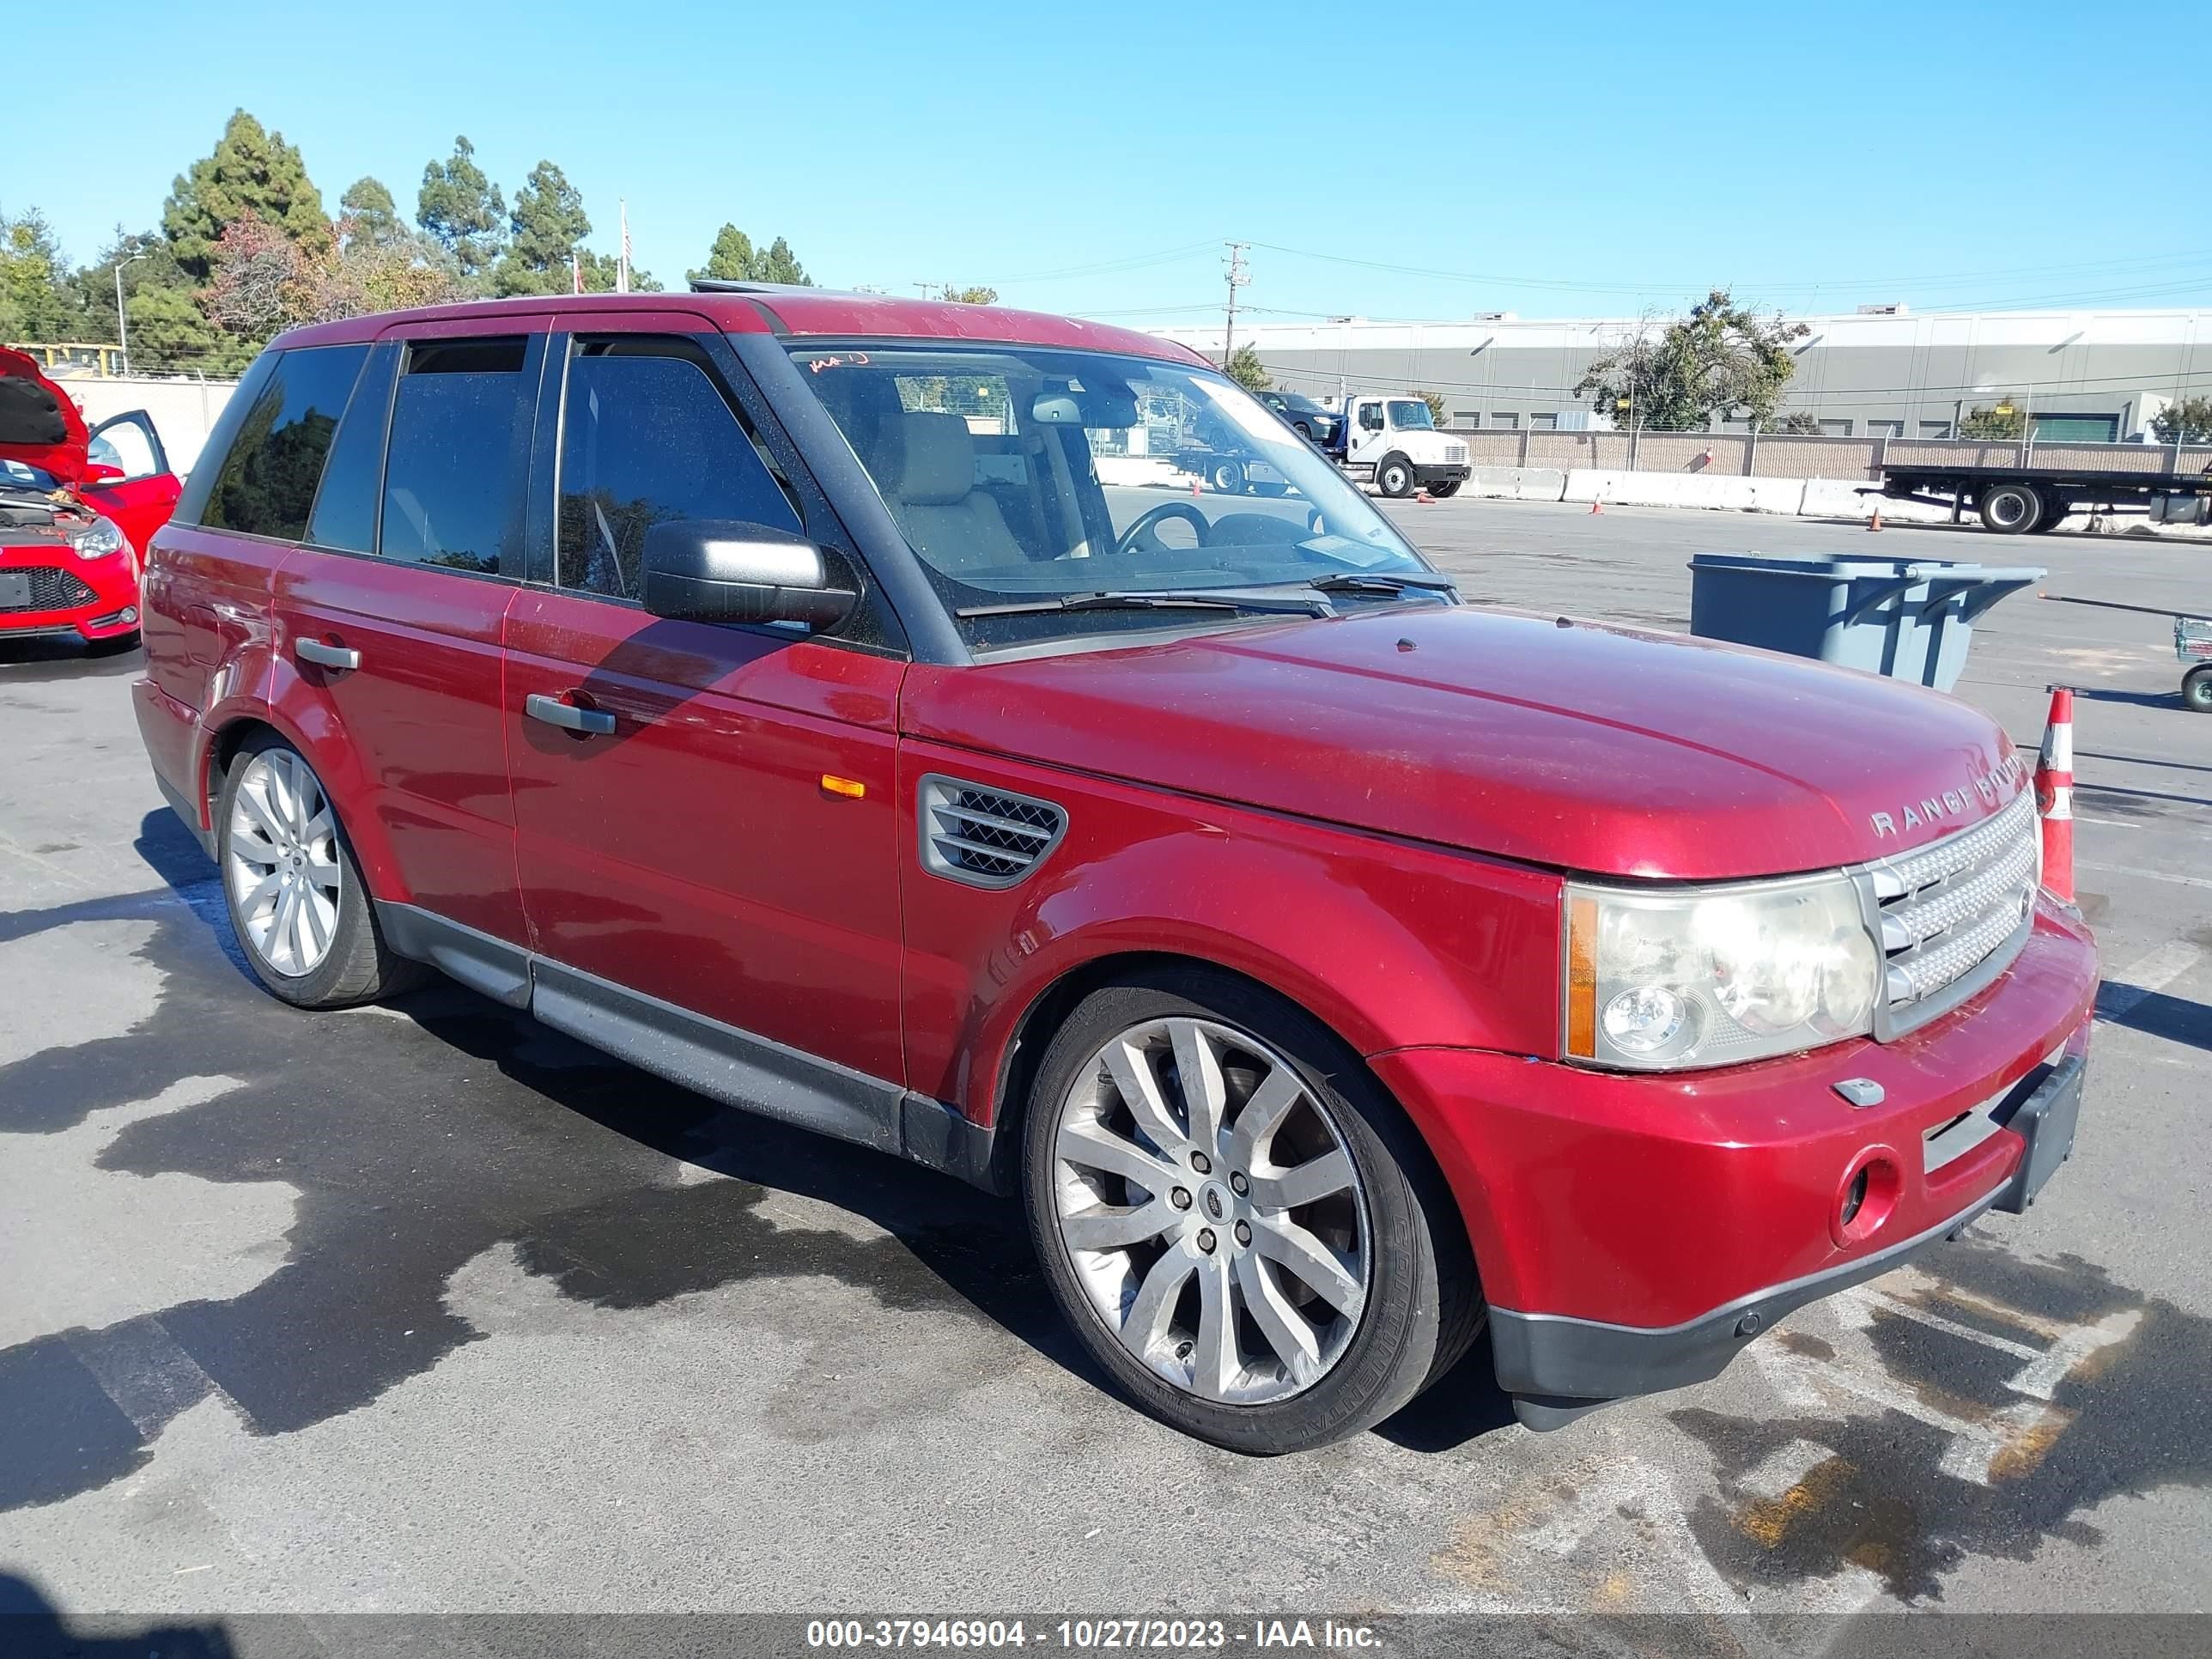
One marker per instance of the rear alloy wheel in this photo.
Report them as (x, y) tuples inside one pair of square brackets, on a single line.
[(1228, 477), (2011, 509), (1395, 477), (296, 899), (1237, 1243)]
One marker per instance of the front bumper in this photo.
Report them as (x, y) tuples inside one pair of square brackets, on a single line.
[(43, 593), (1436, 472), (1633, 1232)]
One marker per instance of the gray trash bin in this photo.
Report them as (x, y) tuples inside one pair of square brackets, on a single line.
[(1912, 619)]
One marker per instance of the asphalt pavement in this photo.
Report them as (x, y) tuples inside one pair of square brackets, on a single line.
[(424, 1308)]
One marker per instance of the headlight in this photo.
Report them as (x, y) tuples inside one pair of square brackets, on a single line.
[(1662, 978), (98, 539)]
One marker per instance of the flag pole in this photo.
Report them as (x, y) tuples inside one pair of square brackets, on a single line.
[(622, 267)]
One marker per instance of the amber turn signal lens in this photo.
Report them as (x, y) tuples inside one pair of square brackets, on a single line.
[(848, 788), (1581, 977)]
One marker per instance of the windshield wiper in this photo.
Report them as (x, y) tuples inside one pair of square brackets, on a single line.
[(1379, 581), (1143, 601)]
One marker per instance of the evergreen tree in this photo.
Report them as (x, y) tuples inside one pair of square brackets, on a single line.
[(35, 301), (145, 260), (548, 226), (463, 211), (374, 215), (734, 258), (252, 172)]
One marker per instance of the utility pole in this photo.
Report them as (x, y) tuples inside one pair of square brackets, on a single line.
[(1237, 277), (122, 323)]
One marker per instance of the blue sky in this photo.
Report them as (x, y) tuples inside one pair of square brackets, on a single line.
[(1391, 160)]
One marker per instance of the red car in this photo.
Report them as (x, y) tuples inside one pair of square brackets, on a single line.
[(803, 696), (77, 508)]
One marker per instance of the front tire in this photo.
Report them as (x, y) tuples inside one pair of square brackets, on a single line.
[(297, 903), (1266, 1259), (1395, 477), (2011, 509)]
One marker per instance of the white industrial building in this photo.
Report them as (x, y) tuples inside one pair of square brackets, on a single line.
[(1884, 371)]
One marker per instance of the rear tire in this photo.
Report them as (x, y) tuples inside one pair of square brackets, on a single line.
[(1445, 491), (1385, 1218), (297, 903), (2011, 509), (2054, 510), (1394, 477), (2196, 689)]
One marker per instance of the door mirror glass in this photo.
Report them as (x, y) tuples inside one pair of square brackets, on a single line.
[(723, 570)]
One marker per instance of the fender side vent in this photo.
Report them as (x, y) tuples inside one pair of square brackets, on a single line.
[(985, 837)]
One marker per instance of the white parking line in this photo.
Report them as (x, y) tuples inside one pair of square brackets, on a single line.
[(2153, 974), (2147, 875)]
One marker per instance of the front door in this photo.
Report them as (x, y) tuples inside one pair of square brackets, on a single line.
[(705, 815), (1366, 433), (389, 616), (144, 495)]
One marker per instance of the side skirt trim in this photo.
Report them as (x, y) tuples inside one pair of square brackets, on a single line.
[(735, 1066)]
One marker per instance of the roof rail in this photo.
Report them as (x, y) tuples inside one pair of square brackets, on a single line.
[(738, 285)]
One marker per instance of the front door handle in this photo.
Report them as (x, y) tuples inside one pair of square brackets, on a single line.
[(327, 656), (565, 716)]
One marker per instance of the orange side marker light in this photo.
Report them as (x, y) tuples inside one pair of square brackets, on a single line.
[(850, 788)]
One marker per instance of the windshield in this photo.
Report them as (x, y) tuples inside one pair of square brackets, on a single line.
[(1411, 414), (1020, 473)]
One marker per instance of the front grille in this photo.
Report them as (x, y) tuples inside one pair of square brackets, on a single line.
[(1455, 453), (1952, 916), (985, 837), (51, 589)]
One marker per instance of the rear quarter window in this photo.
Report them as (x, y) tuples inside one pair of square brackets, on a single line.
[(265, 480)]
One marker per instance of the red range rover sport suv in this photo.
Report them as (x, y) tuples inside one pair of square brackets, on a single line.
[(820, 700)]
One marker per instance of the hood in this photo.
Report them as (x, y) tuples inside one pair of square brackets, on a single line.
[(1584, 747), (40, 424)]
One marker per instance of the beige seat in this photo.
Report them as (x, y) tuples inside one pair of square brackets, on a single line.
[(950, 522)]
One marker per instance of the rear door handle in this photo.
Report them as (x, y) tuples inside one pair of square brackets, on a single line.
[(328, 656), (565, 716)]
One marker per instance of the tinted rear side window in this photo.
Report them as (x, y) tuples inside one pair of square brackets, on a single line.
[(345, 511), (460, 428), (266, 482), (648, 437)]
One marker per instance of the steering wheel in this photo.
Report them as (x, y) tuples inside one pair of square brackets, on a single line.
[(1142, 537)]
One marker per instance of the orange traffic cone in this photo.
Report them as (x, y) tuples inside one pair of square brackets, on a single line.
[(1423, 496), (1194, 484), (1875, 523), (2054, 795), (1597, 503)]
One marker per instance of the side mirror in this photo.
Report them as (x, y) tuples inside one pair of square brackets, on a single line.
[(723, 570), (99, 473)]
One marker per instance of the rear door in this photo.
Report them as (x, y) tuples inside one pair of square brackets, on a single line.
[(715, 825), (142, 500), (388, 623)]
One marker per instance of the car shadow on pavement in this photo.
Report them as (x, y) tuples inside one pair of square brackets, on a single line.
[(32, 1627), (43, 660)]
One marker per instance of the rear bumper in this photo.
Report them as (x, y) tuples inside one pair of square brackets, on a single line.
[(1633, 1232)]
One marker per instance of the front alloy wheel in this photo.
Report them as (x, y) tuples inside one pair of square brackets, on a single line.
[(1242, 1227), (1211, 1211)]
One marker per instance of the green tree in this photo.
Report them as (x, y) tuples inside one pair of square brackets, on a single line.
[(170, 334), (370, 215), (2188, 421), (734, 258), (252, 172), (1722, 361), (971, 296), (463, 211), (548, 227), (36, 303), (1245, 368), (2005, 419), (145, 260), (1435, 400)]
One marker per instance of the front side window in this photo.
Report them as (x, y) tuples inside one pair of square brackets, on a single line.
[(267, 482), (1020, 473), (647, 437), (452, 469)]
